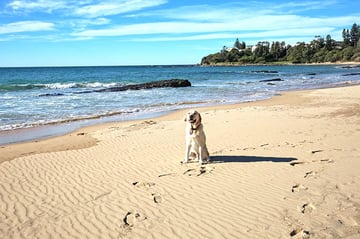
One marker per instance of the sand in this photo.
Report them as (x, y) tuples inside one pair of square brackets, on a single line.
[(288, 167)]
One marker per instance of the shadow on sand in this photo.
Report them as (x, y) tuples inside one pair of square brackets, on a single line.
[(248, 159)]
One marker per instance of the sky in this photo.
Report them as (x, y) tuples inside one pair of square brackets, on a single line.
[(156, 32)]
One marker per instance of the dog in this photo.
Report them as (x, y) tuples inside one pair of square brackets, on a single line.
[(195, 138)]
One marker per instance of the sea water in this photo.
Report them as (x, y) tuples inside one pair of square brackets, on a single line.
[(33, 97)]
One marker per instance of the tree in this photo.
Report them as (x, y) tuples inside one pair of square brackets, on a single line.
[(237, 44), (296, 53), (243, 45), (276, 50), (320, 55), (317, 43), (234, 55), (346, 37), (333, 56), (329, 43), (354, 34), (347, 53), (262, 49)]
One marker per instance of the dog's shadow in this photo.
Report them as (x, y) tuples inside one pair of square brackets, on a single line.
[(247, 159)]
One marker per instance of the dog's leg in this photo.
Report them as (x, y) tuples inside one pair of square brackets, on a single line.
[(200, 155), (207, 155), (187, 152)]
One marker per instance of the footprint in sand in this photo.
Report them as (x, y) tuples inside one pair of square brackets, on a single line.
[(296, 163), (149, 122), (205, 170), (157, 198), (310, 173), (300, 233), (146, 185), (326, 161), (142, 124), (133, 217), (189, 171), (307, 208), (198, 172), (166, 174), (298, 188), (317, 151)]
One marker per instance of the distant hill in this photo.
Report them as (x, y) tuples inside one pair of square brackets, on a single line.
[(319, 50)]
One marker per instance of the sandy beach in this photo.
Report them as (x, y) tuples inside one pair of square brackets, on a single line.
[(287, 167)]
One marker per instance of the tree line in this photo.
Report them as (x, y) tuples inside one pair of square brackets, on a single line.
[(319, 50)]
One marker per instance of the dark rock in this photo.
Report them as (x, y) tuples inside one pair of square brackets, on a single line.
[(271, 80), (149, 85), (265, 71), (350, 66), (51, 94), (352, 74)]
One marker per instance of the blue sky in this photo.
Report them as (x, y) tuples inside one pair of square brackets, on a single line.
[(152, 32)]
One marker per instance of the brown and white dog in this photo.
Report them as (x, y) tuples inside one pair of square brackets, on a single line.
[(195, 138)]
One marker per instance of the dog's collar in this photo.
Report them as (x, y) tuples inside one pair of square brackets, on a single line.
[(196, 128)]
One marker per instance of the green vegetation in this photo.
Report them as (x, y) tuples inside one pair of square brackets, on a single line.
[(319, 50)]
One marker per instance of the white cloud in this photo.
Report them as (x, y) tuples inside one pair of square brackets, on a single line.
[(276, 35), (154, 28), (83, 23), (110, 8), (88, 19), (39, 5), (234, 10), (26, 26), (85, 8), (302, 6), (201, 13), (275, 25), (221, 20), (98, 21)]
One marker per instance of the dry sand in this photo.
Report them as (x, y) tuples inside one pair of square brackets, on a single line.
[(288, 167)]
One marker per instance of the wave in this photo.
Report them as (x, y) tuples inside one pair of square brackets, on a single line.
[(142, 109), (185, 103), (54, 86), (67, 120), (20, 87)]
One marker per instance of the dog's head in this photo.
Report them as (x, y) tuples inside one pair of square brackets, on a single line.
[(194, 118)]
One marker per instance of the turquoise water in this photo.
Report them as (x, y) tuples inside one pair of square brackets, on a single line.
[(24, 106)]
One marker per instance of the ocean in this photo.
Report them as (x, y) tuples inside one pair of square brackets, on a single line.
[(45, 101)]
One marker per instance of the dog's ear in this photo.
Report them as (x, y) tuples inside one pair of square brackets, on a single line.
[(185, 119), (199, 117)]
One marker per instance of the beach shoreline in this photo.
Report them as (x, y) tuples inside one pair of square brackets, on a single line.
[(286, 167), (52, 106), (22, 141), (61, 132)]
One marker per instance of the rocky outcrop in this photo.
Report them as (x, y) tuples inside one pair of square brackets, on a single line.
[(51, 94), (271, 80), (265, 71), (352, 74), (149, 85)]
